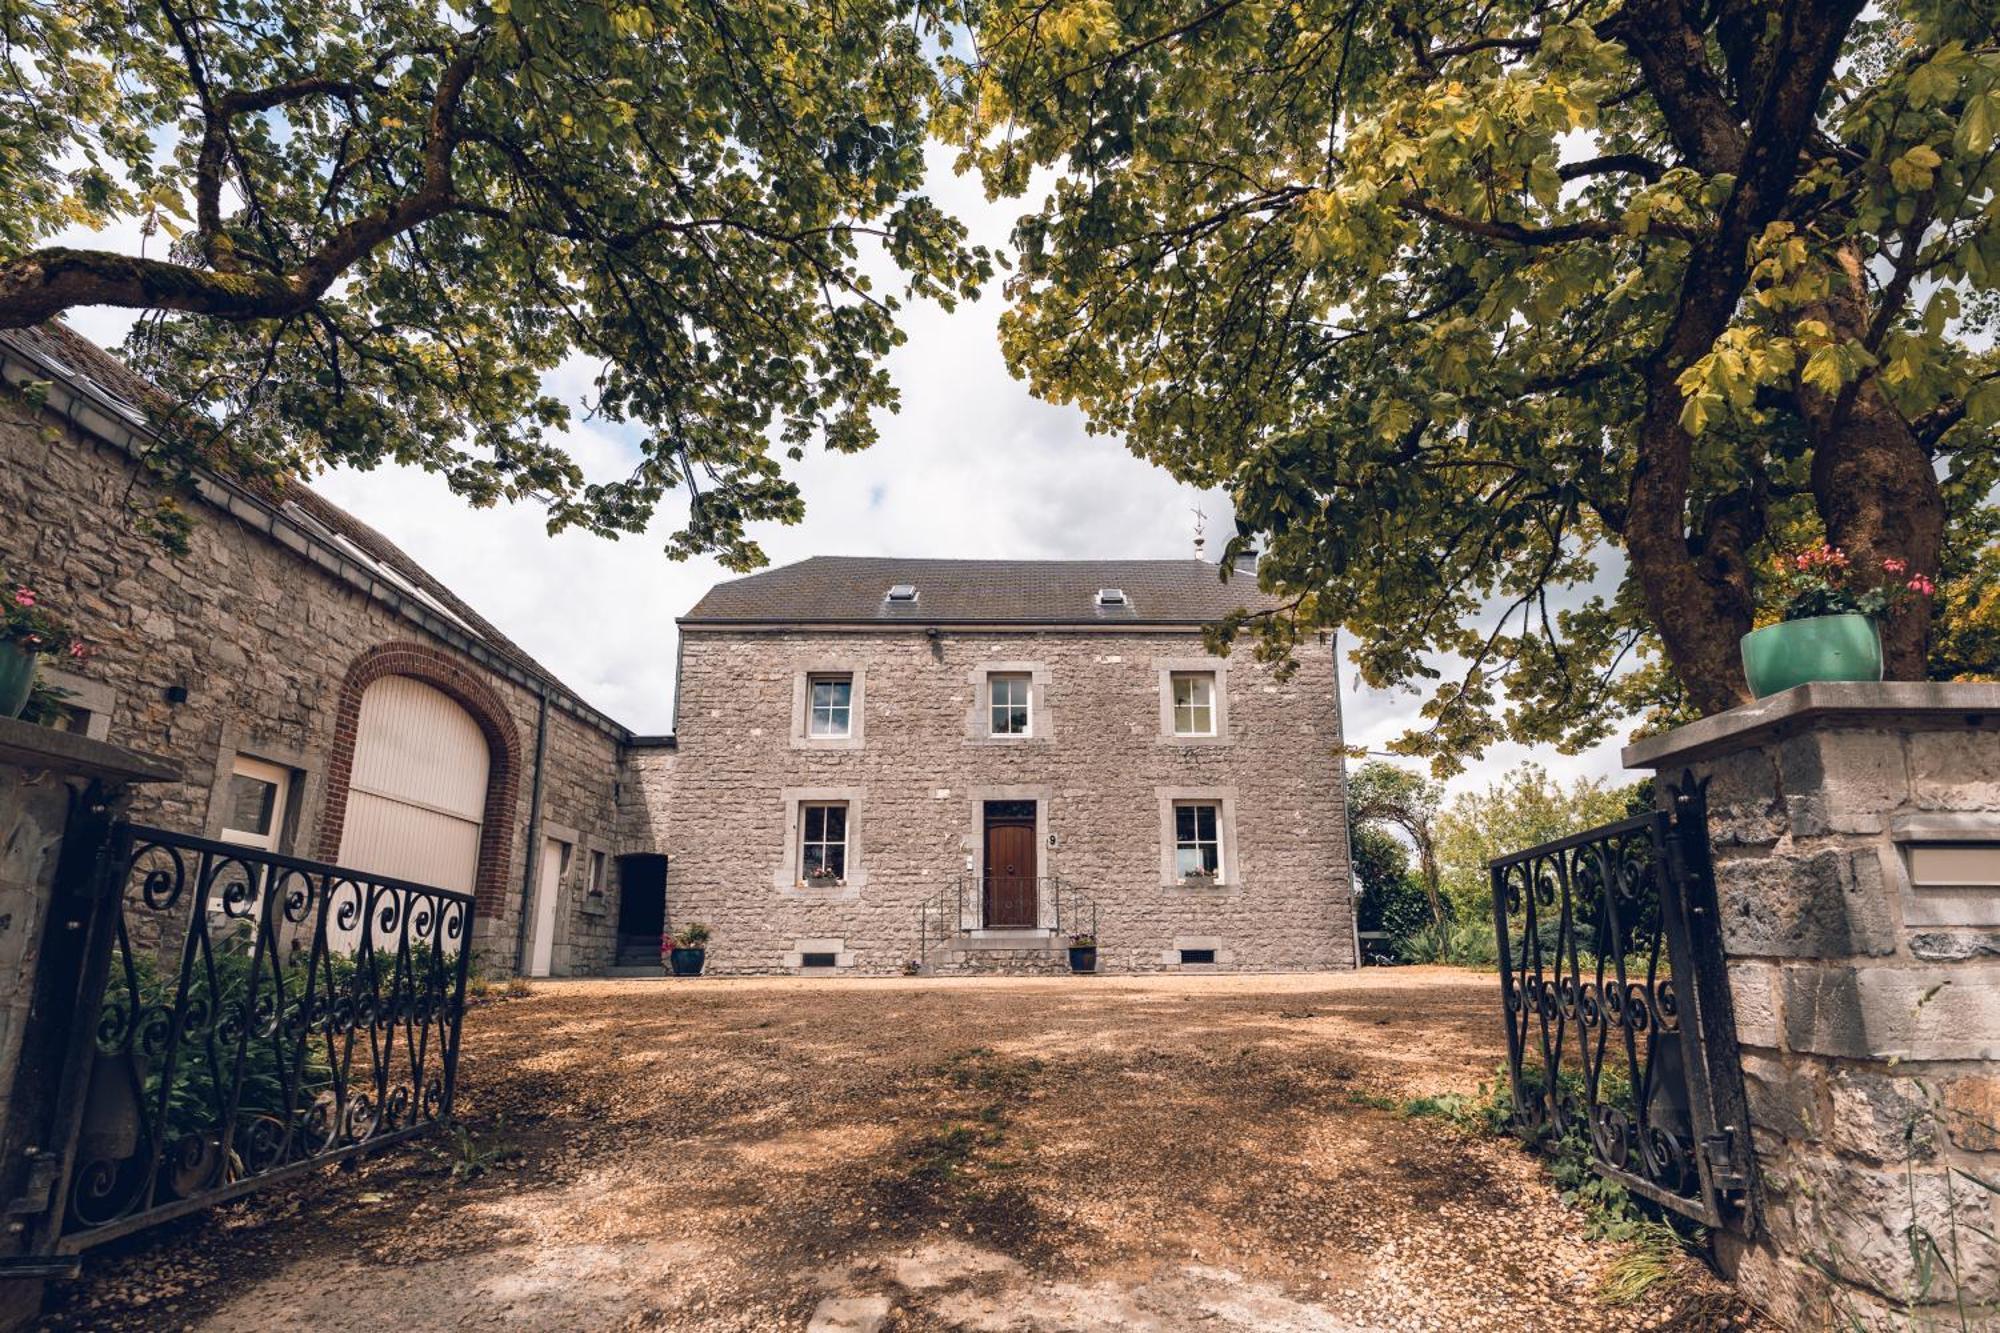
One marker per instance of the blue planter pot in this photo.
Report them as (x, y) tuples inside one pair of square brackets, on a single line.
[(1777, 657), (686, 962), (17, 678)]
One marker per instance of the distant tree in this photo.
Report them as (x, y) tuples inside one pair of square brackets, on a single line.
[(1392, 899), (368, 232), (1382, 796), (1523, 808), (1471, 306)]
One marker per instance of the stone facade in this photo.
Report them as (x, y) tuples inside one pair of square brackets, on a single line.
[(1856, 831), (257, 641), (916, 771)]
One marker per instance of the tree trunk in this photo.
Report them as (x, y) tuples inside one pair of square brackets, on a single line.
[(1878, 496)]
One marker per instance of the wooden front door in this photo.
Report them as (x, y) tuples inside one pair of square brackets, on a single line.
[(1010, 873)]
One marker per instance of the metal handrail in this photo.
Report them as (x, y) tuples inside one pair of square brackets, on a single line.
[(941, 916)]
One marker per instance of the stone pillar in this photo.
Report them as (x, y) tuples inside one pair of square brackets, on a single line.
[(55, 788), (1856, 830)]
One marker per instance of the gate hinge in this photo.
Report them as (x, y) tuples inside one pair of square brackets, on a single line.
[(1728, 1170), (39, 1187)]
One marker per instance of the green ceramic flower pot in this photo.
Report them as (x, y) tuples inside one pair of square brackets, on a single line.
[(1778, 657), (17, 678)]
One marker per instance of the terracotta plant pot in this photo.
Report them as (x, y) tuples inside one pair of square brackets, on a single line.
[(686, 962), (1083, 957), (17, 678), (1844, 647)]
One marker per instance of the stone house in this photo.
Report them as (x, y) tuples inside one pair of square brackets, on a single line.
[(960, 763), (850, 757)]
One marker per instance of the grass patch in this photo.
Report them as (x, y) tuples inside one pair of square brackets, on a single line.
[(1654, 1253)]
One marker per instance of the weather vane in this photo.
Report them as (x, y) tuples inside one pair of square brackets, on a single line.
[(1200, 524)]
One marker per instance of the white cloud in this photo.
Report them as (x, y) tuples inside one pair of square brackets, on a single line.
[(972, 466)]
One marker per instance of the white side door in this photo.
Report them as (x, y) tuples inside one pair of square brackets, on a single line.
[(548, 888)]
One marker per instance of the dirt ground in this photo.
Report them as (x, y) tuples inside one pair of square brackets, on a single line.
[(1215, 1154)]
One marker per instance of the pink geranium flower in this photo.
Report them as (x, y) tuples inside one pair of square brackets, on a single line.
[(24, 596), (1894, 566)]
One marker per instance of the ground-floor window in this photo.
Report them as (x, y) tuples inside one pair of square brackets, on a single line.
[(1197, 842), (823, 845)]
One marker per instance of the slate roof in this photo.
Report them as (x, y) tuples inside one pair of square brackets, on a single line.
[(85, 366), (851, 589)]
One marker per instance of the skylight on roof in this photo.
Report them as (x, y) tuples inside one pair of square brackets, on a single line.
[(903, 592), (1111, 597)]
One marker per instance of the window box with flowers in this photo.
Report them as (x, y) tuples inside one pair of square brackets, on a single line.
[(1828, 606), (28, 630)]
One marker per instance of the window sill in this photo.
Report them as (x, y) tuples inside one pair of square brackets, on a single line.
[(1006, 740), (1177, 739), (1204, 886)]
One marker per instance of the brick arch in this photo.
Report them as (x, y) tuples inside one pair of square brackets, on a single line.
[(470, 691)]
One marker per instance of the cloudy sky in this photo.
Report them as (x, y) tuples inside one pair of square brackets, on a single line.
[(972, 466)]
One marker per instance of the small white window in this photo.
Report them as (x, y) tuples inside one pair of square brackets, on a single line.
[(254, 803), (831, 706), (1197, 842), (903, 592), (598, 870), (1008, 705), (823, 842), (1194, 703), (1111, 597)]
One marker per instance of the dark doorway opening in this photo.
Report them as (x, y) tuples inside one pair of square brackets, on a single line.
[(1011, 864), (642, 909)]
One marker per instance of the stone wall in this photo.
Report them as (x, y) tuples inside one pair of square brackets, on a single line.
[(1867, 1005), (1097, 764), (261, 636)]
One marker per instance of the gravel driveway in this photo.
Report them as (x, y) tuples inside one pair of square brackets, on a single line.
[(1215, 1154)]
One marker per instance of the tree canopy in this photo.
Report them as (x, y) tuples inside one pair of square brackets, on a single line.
[(1521, 333), (370, 231), (1524, 808)]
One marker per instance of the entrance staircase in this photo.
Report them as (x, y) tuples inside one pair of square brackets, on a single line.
[(952, 939)]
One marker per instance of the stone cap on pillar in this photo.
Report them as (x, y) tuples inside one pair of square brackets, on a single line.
[(1924, 704), (25, 745)]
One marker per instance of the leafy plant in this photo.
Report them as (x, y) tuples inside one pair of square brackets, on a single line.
[(1822, 581), (472, 1154), (694, 935), (1083, 941), (26, 623)]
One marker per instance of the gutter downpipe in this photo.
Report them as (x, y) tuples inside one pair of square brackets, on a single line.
[(532, 860), (1346, 808)]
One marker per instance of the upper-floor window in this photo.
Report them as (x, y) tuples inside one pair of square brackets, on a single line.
[(831, 706), (823, 842), (1194, 703), (1008, 704)]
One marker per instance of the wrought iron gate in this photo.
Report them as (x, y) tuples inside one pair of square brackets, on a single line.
[(238, 1017), (1617, 1007)]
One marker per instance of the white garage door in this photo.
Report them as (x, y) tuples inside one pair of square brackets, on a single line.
[(419, 787)]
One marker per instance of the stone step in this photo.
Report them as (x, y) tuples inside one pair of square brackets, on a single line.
[(1008, 941)]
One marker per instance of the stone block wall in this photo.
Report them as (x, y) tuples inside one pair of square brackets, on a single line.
[(1098, 766), (260, 628), (1867, 1004)]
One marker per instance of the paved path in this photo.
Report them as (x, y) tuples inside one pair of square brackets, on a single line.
[(1217, 1154)]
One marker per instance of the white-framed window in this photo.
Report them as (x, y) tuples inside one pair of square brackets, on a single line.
[(1007, 704), (254, 803), (599, 869), (830, 706), (1194, 702), (1197, 839), (823, 842)]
